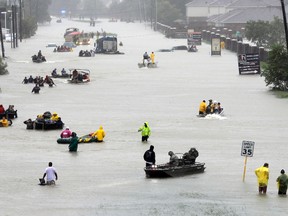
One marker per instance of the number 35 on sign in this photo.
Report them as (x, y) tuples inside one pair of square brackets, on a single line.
[(247, 148)]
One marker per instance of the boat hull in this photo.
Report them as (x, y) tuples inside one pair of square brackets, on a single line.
[(164, 171)]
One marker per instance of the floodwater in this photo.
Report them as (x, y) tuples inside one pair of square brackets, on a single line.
[(108, 178)]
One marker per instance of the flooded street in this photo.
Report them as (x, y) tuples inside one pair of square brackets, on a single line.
[(108, 178)]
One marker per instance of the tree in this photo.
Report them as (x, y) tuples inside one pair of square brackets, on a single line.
[(3, 66), (257, 32), (264, 33), (29, 26), (276, 69), (38, 9)]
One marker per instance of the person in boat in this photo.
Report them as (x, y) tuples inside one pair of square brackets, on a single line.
[(215, 107), (39, 55), (29, 124), (202, 108), (99, 134), (2, 109), (54, 72), (63, 72), (4, 122), (209, 108), (152, 57), (51, 174), (146, 132), (66, 133), (150, 157), (25, 80), (262, 174), (174, 160), (40, 118), (282, 182), (146, 58), (54, 117), (80, 77), (220, 109), (73, 146), (190, 156), (36, 89), (11, 110), (81, 53)]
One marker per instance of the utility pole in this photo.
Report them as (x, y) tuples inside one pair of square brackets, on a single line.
[(1, 38), (156, 15), (285, 23), (20, 20)]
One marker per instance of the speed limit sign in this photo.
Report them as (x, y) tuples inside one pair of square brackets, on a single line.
[(247, 148)]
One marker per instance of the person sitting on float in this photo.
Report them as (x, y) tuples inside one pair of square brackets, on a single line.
[(2, 109), (174, 160), (55, 117), (209, 108), (4, 122), (98, 135), (66, 133)]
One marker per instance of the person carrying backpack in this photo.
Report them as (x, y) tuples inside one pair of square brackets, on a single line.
[(149, 156)]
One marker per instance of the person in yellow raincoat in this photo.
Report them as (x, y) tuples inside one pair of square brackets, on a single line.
[(152, 57), (4, 122), (99, 134), (202, 108), (262, 174), (55, 117), (145, 129)]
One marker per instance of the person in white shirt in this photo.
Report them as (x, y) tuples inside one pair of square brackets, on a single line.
[(51, 174)]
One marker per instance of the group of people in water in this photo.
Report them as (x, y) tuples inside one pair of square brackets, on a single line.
[(213, 107), (39, 82), (148, 59)]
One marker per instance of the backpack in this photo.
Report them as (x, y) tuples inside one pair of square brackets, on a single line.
[(147, 155)]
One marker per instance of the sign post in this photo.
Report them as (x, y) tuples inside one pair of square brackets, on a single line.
[(247, 151)]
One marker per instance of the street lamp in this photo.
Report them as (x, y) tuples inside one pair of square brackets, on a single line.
[(5, 13)]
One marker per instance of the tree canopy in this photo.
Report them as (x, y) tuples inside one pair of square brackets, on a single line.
[(265, 33), (276, 69)]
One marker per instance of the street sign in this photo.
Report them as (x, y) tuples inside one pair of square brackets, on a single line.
[(247, 148)]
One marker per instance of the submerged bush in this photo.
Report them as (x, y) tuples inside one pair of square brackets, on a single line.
[(3, 66)]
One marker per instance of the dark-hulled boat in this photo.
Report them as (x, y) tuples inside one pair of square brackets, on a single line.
[(166, 170)]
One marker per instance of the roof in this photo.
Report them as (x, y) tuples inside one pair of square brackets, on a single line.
[(233, 3), (247, 14)]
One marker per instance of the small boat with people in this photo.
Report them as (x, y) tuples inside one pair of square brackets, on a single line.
[(83, 139), (177, 166), (78, 76), (213, 110), (45, 121), (55, 74), (9, 113)]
